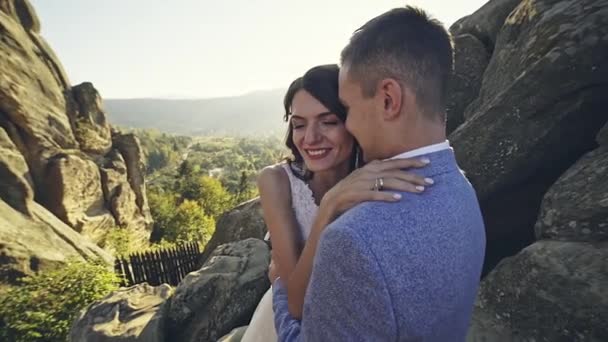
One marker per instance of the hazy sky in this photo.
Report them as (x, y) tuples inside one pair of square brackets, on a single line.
[(203, 48)]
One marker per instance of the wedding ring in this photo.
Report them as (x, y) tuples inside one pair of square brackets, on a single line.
[(378, 184)]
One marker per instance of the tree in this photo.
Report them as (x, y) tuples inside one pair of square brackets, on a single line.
[(190, 224)]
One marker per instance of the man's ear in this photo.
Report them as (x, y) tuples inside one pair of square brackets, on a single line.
[(392, 97)]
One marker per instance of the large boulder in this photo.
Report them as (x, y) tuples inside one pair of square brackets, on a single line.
[(486, 22), (74, 194), (130, 148), (243, 222), (131, 314), (32, 86), (16, 185), (470, 60), (91, 128), (122, 200), (42, 241), (576, 206), (551, 291), (540, 106), (222, 295)]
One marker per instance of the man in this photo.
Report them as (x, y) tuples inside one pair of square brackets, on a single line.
[(405, 271)]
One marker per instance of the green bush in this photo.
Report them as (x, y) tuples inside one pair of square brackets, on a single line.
[(118, 241), (44, 306)]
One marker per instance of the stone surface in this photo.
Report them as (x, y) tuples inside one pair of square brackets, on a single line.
[(576, 207), (486, 22), (244, 221), (551, 291), (53, 139), (129, 147), (222, 295), (90, 125), (42, 241), (540, 106), (16, 184), (131, 314), (74, 194), (470, 61)]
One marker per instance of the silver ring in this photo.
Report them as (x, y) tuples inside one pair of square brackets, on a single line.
[(378, 184)]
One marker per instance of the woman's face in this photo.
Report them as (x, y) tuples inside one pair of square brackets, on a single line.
[(320, 136)]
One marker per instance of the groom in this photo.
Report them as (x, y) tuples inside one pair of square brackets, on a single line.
[(405, 271)]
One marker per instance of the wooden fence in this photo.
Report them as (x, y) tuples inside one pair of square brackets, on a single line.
[(168, 266)]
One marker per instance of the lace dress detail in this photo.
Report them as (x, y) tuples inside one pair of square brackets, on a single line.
[(302, 202)]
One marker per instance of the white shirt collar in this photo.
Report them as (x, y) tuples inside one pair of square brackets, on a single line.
[(423, 150)]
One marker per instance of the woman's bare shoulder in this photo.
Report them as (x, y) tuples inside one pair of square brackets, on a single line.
[(273, 175)]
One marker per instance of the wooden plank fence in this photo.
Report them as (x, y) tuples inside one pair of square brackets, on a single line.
[(168, 266)]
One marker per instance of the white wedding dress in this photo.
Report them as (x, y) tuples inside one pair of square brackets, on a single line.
[(261, 328)]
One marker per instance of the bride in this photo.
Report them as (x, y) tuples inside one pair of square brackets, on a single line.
[(323, 179)]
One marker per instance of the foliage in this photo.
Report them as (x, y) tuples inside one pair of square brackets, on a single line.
[(208, 192), (45, 305), (173, 222), (218, 173), (230, 159), (192, 224), (160, 149), (118, 241)]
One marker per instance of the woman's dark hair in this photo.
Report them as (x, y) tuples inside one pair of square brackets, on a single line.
[(322, 83)]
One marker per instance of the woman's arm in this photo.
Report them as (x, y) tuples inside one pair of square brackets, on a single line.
[(275, 198)]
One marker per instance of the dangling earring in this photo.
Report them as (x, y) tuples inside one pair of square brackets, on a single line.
[(356, 158)]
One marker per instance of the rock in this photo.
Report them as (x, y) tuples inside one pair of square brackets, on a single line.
[(486, 22), (74, 194), (576, 207), (235, 335), (39, 242), (521, 89), (129, 147), (16, 185), (129, 314), (470, 61), (121, 199), (32, 87), (41, 160), (27, 16), (243, 222), (528, 125), (90, 126), (602, 136), (222, 295), (551, 291)]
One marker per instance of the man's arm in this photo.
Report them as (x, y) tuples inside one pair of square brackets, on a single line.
[(347, 299)]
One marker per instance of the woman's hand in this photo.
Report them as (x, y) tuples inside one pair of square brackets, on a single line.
[(367, 183), (273, 269)]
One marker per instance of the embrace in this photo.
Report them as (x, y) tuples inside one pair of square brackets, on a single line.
[(376, 233)]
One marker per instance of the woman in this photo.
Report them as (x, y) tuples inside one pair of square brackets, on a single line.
[(302, 196)]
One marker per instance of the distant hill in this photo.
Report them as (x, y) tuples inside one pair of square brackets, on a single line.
[(259, 112)]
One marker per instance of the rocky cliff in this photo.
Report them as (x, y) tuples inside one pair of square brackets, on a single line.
[(66, 178), (527, 116)]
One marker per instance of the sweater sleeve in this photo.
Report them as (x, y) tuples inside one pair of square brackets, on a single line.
[(347, 299)]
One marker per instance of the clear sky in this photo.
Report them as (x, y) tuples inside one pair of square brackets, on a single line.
[(204, 48)]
